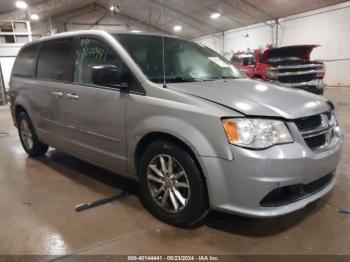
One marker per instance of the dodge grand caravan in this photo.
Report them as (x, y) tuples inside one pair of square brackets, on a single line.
[(197, 136)]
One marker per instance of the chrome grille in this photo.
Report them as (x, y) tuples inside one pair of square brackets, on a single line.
[(296, 74), (320, 132), (297, 78)]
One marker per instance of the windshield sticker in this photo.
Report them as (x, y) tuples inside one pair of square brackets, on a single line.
[(218, 61)]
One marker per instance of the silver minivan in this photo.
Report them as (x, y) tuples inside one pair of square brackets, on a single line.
[(180, 119)]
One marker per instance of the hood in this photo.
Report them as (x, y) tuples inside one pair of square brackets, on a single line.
[(300, 51), (256, 98)]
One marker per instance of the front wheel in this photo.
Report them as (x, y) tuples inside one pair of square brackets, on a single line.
[(28, 137), (172, 186)]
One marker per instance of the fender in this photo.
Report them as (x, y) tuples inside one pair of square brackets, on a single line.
[(21, 101), (193, 137)]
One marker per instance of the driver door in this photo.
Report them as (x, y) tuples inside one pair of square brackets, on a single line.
[(94, 115)]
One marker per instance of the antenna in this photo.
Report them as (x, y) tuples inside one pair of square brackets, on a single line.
[(163, 48)]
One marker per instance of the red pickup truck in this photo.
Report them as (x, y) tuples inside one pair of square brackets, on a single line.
[(288, 66)]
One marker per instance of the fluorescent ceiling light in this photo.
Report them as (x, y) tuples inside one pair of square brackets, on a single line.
[(215, 15), (34, 17), (21, 4), (177, 28), (136, 31)]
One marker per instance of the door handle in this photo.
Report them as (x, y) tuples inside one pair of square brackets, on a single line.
[(72, 96), (57, 94)]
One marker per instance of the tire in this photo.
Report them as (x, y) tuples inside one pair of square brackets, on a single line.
[(193, 202), (26, 134)]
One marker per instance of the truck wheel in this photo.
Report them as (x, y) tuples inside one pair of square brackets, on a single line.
[(28, 137), (172, 186)]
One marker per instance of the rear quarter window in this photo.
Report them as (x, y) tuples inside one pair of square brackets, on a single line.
[(25, 62), (55, 60)]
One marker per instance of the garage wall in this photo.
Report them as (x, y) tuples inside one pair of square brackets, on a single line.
[(215, 42), (259, 35), (328, 27), (6, 66), (8, 53)]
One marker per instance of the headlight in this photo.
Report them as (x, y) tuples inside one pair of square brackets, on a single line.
[(271, 74), (335, 124), (256, 133)]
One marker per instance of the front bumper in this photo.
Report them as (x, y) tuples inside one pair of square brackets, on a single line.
[(315, 86), (238, 186)]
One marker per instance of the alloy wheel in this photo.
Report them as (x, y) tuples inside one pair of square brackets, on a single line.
[(26, 134), (168, 183)]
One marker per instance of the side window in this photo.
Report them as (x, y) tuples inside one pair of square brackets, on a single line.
[(248, 59), (55, 60), (25, 62), (92, 53)]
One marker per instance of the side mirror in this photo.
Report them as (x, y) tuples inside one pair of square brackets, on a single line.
[(111, 76)]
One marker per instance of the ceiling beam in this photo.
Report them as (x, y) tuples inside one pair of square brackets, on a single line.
[(131, 21), (94, 24), (249, 10), (211, 8), (97, 22), (46, 8), (259, 10), (184, 15), (67, 16)]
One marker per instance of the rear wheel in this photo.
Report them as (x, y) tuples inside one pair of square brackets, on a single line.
[(172, 186), (28, 137)]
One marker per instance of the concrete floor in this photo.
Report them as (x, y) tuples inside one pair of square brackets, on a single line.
[(37, 199)]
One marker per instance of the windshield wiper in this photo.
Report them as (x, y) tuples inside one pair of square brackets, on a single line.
[(177, 79), (228, 77)]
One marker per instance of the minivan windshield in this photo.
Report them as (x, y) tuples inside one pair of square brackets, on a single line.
[(185, 61)]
